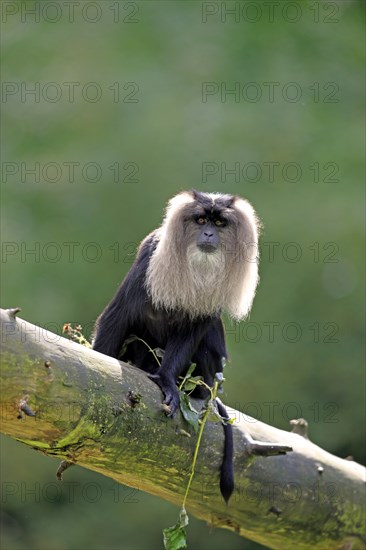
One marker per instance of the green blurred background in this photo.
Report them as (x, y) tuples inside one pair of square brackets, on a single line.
[(131, 105)]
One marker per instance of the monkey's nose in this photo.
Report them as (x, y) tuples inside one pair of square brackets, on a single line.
[(208, 234)]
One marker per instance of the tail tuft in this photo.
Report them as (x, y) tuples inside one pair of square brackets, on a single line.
[(227, 465)]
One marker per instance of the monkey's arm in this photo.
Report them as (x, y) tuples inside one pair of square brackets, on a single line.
[(177, 357)]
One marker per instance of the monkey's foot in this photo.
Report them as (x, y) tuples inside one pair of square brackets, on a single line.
[(171, 394)]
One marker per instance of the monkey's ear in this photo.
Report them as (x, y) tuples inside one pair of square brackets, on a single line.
[(196, 194), (230, 201)]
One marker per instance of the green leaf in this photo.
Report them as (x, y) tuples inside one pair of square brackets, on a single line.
[(128, 340), (175, 537), (191, 383), (214, 415), (189, 413), (191, 369), (187, 376)]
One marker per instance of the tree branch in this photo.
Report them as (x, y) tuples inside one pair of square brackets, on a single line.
[(78, 405)]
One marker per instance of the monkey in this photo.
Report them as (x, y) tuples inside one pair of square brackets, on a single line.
[(202, 261)]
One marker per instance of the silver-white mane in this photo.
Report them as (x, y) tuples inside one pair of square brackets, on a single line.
[(182, 277)]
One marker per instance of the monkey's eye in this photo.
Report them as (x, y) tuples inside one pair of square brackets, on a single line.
[(201, 221), (220, 223)]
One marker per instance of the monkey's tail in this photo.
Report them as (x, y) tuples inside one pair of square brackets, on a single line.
[(227, 465)]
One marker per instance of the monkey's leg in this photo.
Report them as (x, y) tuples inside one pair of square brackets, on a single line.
[(112, 328), (211, 354), (209, 358), (120, 316)]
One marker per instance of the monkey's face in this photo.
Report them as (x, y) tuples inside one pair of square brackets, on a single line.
[(207, 221), (208, 239), (208, 227)]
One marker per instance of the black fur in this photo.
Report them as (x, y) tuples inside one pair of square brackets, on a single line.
[(185, 341)]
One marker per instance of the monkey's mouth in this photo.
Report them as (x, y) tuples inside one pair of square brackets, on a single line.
[(207, 248)]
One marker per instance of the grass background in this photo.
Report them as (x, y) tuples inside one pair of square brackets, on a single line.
[(118, 123)]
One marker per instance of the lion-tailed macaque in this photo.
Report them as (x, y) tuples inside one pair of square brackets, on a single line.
[(202, 261)]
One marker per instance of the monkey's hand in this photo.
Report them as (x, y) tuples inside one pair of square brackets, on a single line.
[(170, 391)]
